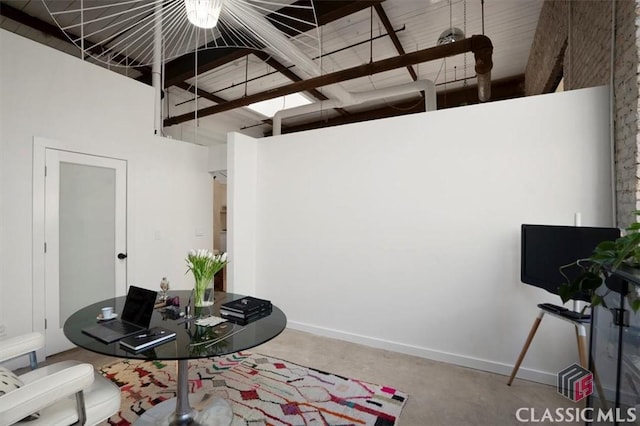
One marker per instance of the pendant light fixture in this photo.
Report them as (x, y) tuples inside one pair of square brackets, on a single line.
[(127, 38), (451, 35), (203, 13)]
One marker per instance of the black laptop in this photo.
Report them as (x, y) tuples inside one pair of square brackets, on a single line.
[(136, 317)]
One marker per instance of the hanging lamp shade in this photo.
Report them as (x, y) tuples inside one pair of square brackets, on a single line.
[(203, 13), (450, 35)]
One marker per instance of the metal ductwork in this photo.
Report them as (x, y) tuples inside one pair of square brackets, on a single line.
[(482, 51), (280, 45), (358, 98), (284, 47), (480, 45)]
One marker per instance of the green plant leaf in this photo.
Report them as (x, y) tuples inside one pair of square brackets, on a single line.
[(635, 226), (565, 293), (606, 245), (596, 300), (606, 256)]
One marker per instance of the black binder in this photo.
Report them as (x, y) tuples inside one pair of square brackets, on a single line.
[(147, 339), (246, 306)]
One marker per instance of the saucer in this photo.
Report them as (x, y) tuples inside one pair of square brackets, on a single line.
[(100, 318)]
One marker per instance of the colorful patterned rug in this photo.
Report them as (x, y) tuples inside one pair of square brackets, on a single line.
[(262, 391)]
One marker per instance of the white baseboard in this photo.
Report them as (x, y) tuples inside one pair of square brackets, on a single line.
[(436, 355)]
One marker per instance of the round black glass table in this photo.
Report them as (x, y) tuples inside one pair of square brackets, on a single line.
[(191, 342)]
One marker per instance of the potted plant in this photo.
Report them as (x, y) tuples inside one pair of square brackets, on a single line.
[(606, 258), (204, 265)]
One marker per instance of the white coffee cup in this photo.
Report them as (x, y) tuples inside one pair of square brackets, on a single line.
[(107, 312)]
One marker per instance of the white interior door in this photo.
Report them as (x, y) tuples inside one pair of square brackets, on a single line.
[(85, 231)]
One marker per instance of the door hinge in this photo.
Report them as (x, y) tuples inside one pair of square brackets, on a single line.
[(45, 247), (621, 317), (45, 171), (45, 323)]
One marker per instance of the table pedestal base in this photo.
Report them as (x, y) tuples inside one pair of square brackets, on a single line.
[(188, 409), (207, 412)]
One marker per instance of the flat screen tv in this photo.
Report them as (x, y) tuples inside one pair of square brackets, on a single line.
[(545, 248)]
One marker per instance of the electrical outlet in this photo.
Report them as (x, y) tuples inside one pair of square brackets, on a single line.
[(3, 330)]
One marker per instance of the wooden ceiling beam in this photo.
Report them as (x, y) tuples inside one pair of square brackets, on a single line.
[(506, 88), (293, 77), (476, 44), (384, 18), (293, 20), (272, 62), (35, 23), (202, 93), (55, 32), (275, 64), (182, 68), (332, 10)]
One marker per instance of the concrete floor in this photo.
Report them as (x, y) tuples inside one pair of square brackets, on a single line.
[(439, 393)]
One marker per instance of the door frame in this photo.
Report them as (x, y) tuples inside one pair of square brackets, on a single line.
[(40, 145)]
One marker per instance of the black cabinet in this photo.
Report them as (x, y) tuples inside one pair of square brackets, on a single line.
[(615, 351)]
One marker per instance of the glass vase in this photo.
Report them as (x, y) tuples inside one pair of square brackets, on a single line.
[(199, 292)]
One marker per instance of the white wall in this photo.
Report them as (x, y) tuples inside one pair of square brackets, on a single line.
[(404, 233), (85, 108), (242, 213), (217, 159)]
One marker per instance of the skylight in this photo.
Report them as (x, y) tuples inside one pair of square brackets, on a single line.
[(269, 107)]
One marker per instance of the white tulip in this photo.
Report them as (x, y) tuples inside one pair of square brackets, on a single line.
[(192, 252), (223, 257)]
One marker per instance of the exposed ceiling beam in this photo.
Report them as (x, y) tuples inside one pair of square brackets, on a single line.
[(393, 36), (35, 23), (202, 93), (210, 96), (480, 45), (293, 77), (275, 64), (272, 62), (332, 10), (292, 20), (54, 31), (223, 56), (183, 68), (507, 88)]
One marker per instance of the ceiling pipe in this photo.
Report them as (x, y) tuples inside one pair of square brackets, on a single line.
[(156, 70), (479, 44), (482, 52), (358, 98)]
